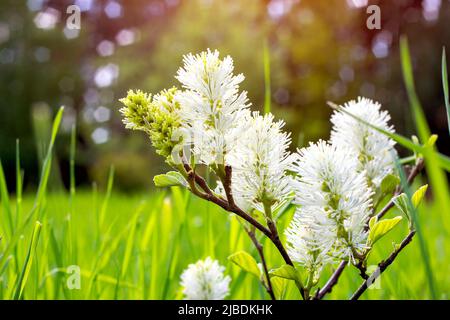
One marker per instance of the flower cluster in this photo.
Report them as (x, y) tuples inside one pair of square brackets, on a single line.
[(260, 162), (205, 280), (211, 105), (213, 118), (333, 206), (375, 151), (334, 187), (333, 183), (158, 117)]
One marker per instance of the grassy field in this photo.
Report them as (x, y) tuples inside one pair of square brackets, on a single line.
[(135, 247)]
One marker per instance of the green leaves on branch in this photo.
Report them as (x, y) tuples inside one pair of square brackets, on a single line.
[(286, 272), (377, 229), (170, 179), (246, 262), (387, 187), (419, 195), (389, 183), (402, 201)]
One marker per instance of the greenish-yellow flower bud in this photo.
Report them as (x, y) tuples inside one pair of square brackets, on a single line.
[(157, 117)]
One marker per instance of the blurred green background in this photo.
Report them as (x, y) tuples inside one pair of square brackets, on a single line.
[(320, 51)]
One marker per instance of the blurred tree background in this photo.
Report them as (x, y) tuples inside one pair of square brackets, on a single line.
[(320, 51)]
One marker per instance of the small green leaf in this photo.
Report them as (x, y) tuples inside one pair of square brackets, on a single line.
[(285, 271), (401, 202), (432, 140), (279, 286), (418, 195), (170, 179), (389, 183), (372, 222), (245, 262), (381, 228)]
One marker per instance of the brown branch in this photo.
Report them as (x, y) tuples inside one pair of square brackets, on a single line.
[(227, 180), (382, 266), (227, 185), (277, 242), (328, 287), (230, 205), (193, 178), (362, 269), (260, 250)]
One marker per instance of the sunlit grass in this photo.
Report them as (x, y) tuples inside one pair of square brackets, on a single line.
[(147, 240)]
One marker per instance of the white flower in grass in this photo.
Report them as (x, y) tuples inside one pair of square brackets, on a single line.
[(260, 162), (205, 280), (334, 203), (211, 105), (375, 151)]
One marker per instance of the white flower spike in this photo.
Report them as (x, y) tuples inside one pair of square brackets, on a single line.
[(205, 280), (375, 151), (334, 204), (260, 162), (211, 105)]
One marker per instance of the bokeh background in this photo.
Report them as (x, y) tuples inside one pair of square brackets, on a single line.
[(320, 51)]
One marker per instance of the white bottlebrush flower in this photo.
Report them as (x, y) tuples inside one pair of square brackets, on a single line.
[(211, 106), (309, 241), (375, 151), (260, 161), (205, 280), (334, 203)]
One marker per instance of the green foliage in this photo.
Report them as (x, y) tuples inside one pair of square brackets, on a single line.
[(170, 179), (445, 86), (246, 262), (387, 187), (154, 116), (401, 202), (287, 272), (23, 278), (437, 176), (418, 195), (389, 183), (378, 229)]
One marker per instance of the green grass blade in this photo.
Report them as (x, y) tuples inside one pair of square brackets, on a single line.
[(46, 167), (267, 85), (131, 240), (4, 196), (107, 196), (436, 176), (42, 188), (73, 147), (21, 282), (19, 183), (419, 116), (445, 87), (419, 232)]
